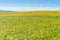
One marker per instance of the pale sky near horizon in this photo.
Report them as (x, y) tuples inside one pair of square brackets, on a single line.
[(22, 5)]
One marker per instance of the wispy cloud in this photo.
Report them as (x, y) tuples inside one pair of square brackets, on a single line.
[(29, 8)]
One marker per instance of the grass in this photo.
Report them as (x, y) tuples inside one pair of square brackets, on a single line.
[(49, 13), (29, 27)]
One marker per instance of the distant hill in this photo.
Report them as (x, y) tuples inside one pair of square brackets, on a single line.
[(6, 11), (45, 13)]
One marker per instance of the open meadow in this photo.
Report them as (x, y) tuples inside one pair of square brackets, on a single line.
[(36, 25)]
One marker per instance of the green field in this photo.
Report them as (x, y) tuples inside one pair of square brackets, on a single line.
[(31, 27)]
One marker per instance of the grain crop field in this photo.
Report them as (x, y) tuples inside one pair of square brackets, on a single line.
[(39, 25)]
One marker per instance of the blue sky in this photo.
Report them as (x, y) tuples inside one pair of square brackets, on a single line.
[(25, 5)]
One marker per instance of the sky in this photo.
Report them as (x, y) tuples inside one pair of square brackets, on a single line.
[(28, 5)]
